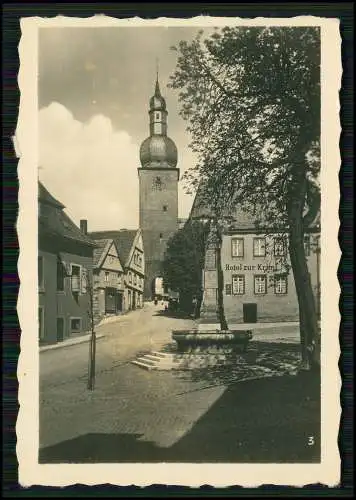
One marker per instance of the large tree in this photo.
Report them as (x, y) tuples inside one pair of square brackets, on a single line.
[(251, 96), (183, 263)]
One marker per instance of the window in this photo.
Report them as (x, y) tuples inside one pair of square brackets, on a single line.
[(118, 278), (60, 276), (238, 284), (84, 281), (130, 277), (157, 116), (280, 284), (157, 184), (307, 245), (165, 208), (237, 247), (160, 236), (228, 289), (75, 278), (106, 278), (40, 272), (279, 246), (259, 247), (41, 322), (75, 325), (135, 280), (260, 284)]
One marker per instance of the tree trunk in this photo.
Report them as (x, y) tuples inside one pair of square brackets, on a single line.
[(307, 311), (220, 298), (199, 303)]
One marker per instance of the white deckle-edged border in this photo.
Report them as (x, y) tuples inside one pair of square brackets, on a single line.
[(218, 475)]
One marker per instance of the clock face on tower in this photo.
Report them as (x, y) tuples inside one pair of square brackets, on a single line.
[(157, 184)]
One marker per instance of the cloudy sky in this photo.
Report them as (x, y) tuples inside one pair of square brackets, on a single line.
[(94, 89)]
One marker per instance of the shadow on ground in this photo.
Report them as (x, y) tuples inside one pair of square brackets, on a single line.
[(270, 420), (262, 359), (174, 314)]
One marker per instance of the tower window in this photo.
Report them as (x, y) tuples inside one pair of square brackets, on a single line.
[(157, 183), (160, 236), (157, 116), (165, 208)]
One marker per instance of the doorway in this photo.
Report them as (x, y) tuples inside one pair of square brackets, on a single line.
[(118, 299), (60, 329), (250, 313), (133, 300), (110, 301)]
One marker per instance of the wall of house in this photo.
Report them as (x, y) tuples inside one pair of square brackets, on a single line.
[(47, 298), (135, 276), (102, 281), (270, 306), (63, 304), (134, 286)]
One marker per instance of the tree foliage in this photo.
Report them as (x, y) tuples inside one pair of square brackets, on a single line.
[(252, 100), (184, 261), (251, 97)]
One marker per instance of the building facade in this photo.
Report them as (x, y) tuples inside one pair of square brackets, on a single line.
[(108, 279), (258, 279), (130, 251), (158, 190), (65, 261), (257, 275)]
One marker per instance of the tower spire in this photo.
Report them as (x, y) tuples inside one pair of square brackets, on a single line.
[(157, 89)]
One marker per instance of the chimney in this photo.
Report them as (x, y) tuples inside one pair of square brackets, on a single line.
[(84, 226)]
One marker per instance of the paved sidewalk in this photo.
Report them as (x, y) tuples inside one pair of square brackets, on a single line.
[(69, 342)]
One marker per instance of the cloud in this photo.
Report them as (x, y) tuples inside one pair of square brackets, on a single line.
[(90, 167)]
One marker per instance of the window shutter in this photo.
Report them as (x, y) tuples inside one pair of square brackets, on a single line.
[(67, 268), (84, 279)]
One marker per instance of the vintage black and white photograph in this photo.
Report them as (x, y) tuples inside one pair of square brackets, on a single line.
[(182, 181)]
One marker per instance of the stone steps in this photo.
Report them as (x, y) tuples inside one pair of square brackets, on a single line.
[(174, 361), (142, 364)]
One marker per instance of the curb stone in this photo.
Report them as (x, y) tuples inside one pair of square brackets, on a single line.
[(70, 342)]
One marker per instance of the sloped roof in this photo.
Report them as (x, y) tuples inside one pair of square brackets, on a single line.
[(44, 196), (241, 217), (101, 248), (123, 239), (56, 222)]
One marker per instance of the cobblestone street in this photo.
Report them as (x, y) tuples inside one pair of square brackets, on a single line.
[(137, 415), (126, 398)]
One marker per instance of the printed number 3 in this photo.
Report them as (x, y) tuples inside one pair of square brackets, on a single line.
[(310, 440)]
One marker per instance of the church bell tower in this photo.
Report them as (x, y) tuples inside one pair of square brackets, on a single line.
[(158, 188)]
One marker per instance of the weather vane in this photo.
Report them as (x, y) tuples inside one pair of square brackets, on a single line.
[(157, 67)]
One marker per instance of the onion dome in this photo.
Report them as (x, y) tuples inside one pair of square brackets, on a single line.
[(158, 151)]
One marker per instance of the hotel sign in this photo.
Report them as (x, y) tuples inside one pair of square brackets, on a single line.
[(261, 268)]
